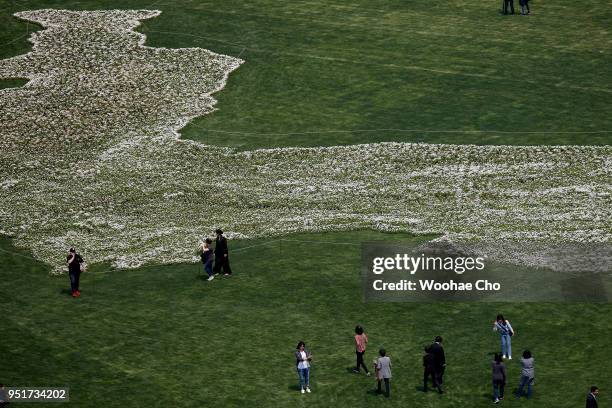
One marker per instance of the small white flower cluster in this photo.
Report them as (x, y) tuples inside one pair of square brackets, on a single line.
[(90, 157)]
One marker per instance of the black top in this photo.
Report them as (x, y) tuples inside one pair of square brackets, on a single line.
[(591, 401), (438, 354), (220, 247), (428, 361), (206, 255), (75, 266)]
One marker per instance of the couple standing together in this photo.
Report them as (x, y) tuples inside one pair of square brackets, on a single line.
[(221, 256)]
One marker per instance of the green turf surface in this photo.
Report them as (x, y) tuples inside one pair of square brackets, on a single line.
[(418, 66), (162, 336)]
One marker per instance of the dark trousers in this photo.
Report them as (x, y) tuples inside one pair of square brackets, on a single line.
[(498, 389), (508, 3), (430, 372), (440, 375), (524, 6), (208, 267), (222, 263), (74, 280), (360, 362), (387, 387)]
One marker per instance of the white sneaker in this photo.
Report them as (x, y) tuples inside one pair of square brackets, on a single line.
[(509, 357), (504, 357), (303, 391), (211, 277), (496, 401), (308, 390)]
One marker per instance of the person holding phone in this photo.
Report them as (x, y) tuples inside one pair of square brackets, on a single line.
[(302, 360), (74, 261), (505, 330)]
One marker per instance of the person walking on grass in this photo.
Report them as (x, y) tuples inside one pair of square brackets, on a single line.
[(439, 360), (591, 399), (505, 330), (510, 4), (221, 255), (207, 257), (361, 341), (429, 370), (524, 7), (303, 358), (383, 372), (75, 267), (527, 374), (499, 378)]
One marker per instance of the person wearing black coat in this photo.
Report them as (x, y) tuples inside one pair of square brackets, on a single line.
[(591, 400), (439, 359), (221, 255), (429, 370), (74, 262)]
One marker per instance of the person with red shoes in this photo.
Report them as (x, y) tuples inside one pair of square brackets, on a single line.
[(75, 262)]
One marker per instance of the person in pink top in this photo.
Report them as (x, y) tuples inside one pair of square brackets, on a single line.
[(361, 341)]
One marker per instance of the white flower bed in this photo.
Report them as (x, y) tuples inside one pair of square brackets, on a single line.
[(90, 157)]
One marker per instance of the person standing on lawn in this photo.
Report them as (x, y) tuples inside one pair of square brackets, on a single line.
[(383, 372), (527, 374), (221, 255), (505, 330), (439, 361), (499, 378), (74, 261), (361, 341), (302, 360), (207, 257), (591, 399), (508, 3), (429, 370), (524, 6)]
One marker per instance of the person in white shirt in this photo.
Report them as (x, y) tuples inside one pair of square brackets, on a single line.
[(302, 360), (505, 330)]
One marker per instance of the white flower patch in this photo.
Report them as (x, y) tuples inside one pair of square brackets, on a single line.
[(90, 157)]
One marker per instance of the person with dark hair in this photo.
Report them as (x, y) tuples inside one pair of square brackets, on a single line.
[(75, 262), (591, 399), (383, 372), (429, 370), (508, 3), (4, 400), (505, 330), (302, 360), (499, 378), (524, 6), (439, 359), (361, 341), (207, 258), (221, 255), (527, 374)]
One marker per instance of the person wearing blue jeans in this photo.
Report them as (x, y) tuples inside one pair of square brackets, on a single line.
[(527, 374), (505, 330), (302, 359)]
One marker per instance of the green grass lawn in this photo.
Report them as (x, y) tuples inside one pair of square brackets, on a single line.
[(162, 336), (329, 73), (320, 74)]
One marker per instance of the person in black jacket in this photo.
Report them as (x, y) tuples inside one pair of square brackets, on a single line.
[(591, 400), (74, 261), (439, 359), (221, 254), (429, 370)]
